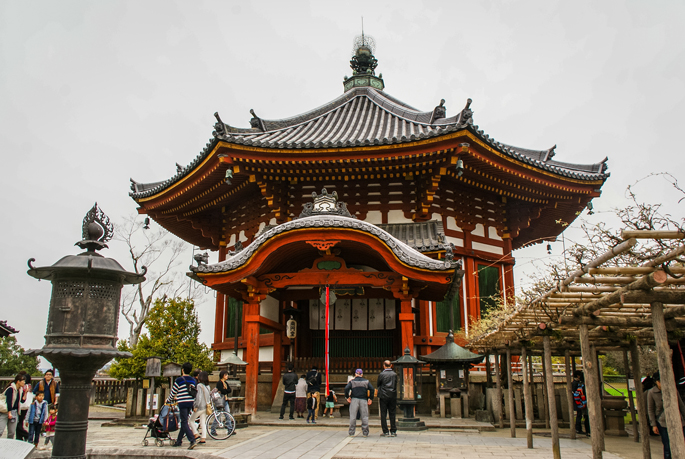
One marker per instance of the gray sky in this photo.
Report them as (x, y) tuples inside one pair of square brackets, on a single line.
[(92, 93)]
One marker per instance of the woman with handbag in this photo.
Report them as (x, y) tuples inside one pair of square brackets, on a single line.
[(202, 407), (12, 399)]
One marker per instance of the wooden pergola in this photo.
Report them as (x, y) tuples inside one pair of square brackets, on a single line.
[(598, 309)]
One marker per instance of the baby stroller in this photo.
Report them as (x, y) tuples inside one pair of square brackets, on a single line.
[(161, 425)]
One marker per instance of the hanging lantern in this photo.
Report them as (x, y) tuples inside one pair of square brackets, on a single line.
[(291, 328)]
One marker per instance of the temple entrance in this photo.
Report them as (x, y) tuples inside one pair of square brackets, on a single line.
[(359, 328)]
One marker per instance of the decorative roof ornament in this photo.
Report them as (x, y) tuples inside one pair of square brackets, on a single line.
[(363, 61), (466, 116), (96, 230), (256, 122), (325, 204), (439, 112)]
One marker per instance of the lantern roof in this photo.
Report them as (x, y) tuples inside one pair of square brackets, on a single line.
[(451, 352), (407, 359), (233, 359)]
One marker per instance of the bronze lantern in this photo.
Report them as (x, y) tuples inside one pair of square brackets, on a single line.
[(82, 326), (409, 390)]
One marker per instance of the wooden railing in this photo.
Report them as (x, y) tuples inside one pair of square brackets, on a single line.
[(104, 391)]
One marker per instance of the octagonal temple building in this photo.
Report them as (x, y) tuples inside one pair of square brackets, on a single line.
[(409, 216)]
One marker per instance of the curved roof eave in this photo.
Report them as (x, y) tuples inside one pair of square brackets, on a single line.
[(404, 253)]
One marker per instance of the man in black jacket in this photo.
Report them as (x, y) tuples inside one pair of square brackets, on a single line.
[(386, 389), (289, 383)]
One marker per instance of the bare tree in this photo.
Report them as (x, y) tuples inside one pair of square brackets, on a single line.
[(159, 252)]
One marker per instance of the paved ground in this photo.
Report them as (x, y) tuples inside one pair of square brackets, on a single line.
[(296, 439)]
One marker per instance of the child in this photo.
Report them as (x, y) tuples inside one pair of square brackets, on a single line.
[(311, 408), (50, 426), (330, 403), (38, 414)]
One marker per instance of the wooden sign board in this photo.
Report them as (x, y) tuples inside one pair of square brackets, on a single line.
[(171, 370), (153, 367)]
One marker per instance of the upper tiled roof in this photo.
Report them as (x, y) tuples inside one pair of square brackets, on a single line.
[(422, 236), (360, 117)]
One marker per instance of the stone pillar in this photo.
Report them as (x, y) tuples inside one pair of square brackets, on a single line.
[(551, 393), (498, 398), (528, 398)]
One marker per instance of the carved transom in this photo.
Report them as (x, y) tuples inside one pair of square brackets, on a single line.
[(322, 245)]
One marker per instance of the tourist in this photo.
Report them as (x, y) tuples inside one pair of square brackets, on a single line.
[(657, 415), (330, 404), (49, 387), (314, 387), (184, 391), (386, 389), (13, 399), (289, 383), (38, 414), (359, 394), (224, 388), (580, 402), (24, 406), (200, 407), (311, 408), (50, 425), (301, 397)]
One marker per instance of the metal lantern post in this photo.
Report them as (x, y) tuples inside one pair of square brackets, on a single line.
[(409, 390), (82, 326)]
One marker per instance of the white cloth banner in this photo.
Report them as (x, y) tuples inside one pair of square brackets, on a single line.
[(314, 314), (390, 315), (376, 314), (343, 310), (359, 314)]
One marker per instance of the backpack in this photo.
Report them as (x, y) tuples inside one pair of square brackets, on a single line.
[(579, 397), (191, 388), (312, 379)]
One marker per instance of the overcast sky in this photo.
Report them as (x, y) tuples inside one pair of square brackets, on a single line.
[(92, 93)]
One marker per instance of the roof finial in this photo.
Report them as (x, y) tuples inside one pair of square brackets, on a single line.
[(362, 29)]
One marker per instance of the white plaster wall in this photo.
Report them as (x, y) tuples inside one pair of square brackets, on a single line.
[(479, 231), (266, 354), (456, 241), (487, 248), (492, 233), (232, 240), (375, 217), (452, 224), (397, 216), (269, 308)]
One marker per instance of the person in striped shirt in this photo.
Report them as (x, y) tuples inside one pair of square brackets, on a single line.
[(182, 391)]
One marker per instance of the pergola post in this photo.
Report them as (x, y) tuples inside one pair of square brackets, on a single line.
[(600, 396), (488, 376), (545, 395), (498, 382), (668, 388), (594, 402), (527, 398), (631, 402), (549, 376), (510, 393), (569, 394), (641, 405)]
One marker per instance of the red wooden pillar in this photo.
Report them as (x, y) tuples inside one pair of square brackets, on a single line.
[(471, 300), (407, 324), (424, 307), (278, 353), (220, 307), (251, 314)]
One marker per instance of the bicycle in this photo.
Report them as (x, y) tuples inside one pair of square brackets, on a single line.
[(220, 424)]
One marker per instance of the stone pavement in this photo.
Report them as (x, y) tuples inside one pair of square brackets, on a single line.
[(266, 442)]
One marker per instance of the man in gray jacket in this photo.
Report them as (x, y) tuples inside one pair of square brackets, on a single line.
[(359, 394), (657, 417), (386, 389)]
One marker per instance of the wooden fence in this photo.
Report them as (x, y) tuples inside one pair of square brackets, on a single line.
[(104, 391)]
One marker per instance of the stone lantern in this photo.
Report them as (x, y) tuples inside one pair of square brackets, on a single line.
[(408, 390), (82, 326)]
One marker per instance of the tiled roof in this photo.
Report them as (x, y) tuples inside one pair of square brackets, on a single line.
[(422, 236), (6, 330), (361, 117)]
